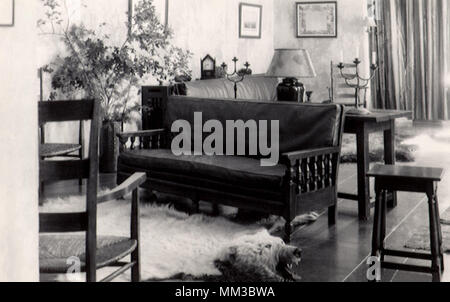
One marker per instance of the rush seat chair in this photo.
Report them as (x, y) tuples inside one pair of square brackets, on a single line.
[(65, 236)]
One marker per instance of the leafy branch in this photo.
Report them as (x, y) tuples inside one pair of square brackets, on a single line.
[(97, 68)]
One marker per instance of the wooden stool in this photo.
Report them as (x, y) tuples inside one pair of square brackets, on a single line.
[(408, 179)]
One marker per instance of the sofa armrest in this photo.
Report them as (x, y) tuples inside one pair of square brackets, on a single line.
[(292, 157), (312, 170), (147, 138)]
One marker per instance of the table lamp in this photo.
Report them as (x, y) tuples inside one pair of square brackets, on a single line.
[(291, 64)]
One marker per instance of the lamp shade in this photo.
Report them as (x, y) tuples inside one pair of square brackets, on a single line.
[(291, 63)]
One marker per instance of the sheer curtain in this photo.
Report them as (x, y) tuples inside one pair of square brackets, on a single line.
[(413, 45)]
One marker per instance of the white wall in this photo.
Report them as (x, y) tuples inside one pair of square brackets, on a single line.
[(201, 26), (92, 14), (351, 32), (18, 148), (212, 27)]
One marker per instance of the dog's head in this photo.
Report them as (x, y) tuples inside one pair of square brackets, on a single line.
[(289, 256), (227, 260), (284, 259), (259, 249)]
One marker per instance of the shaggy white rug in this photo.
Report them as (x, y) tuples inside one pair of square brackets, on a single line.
[(171, 242)]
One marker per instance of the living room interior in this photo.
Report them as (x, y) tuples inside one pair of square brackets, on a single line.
[(350, 185)]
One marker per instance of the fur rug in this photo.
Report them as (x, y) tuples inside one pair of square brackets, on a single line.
[(178, 244), (445, 217), (420, 239), (404, 152)]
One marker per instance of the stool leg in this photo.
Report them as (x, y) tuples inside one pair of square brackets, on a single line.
[(376, 235), (434, 239), (384, 203), (439, 230)]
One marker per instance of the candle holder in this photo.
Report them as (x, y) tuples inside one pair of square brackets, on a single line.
[(358, 82), (235, 77)]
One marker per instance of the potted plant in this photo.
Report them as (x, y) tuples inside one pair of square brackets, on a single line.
[(95, 67)]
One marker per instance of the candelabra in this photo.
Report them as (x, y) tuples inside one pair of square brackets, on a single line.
[(358, 82), (235, 77)]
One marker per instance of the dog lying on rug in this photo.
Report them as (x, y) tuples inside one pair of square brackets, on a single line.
[(258, 258)]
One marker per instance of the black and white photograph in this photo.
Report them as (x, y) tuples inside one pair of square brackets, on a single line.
[(224, 148), (6, 12), (250, 20), (316, 19)]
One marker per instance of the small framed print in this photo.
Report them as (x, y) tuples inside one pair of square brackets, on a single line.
[(250, 21), (6, 13), (317, 19)]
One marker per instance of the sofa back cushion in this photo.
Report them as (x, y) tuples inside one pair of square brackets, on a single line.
[(302, 126), (252, 88)]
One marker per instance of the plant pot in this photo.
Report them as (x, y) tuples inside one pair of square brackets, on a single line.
[(109, 147)]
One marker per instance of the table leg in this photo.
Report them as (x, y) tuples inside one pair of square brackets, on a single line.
[(434, 238), (362, 143), (439, 230), (377, 224), (383, 225), (389, 158)]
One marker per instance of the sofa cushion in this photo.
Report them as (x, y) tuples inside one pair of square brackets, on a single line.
[(227, 169), (252, 88), (301, 126)]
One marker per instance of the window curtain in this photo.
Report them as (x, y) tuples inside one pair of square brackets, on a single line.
[(413, 45)]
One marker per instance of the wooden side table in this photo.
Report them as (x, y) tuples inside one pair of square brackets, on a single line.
[(362, 126), (408, 179)]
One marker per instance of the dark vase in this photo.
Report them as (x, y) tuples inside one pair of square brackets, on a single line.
[(109, 146)]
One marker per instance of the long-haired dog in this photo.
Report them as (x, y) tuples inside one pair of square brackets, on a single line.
[(258, 257)]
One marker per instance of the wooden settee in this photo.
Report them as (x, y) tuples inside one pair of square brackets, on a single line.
[(304, 180)]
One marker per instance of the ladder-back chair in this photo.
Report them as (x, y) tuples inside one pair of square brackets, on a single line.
[(56, 245), (340, 92), (66, 150)]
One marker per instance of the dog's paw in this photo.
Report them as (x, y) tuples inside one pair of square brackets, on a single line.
[(305, 219), (294, 278)]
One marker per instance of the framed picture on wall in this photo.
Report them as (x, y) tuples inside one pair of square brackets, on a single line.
[(317, 19), (250, 21), (6, 12)]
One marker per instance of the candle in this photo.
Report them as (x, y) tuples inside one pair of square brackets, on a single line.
[(357, 50), (341, 57), (374, 57)]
